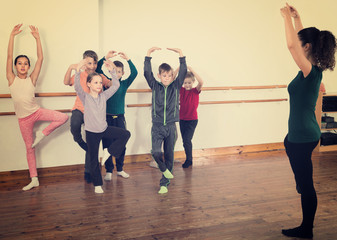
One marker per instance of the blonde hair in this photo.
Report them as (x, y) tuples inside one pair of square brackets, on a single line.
[(190, 75)]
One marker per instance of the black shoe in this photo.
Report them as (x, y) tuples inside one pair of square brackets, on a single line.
[(87, 177), (187, 164)]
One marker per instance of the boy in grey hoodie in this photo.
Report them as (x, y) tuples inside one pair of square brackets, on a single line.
[(165, 112)]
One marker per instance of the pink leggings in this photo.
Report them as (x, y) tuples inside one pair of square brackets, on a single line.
[(26, 126)]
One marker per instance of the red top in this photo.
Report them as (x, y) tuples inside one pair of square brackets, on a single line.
[(189, 102)]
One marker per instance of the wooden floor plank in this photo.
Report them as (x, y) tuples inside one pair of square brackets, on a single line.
[(240, 196)]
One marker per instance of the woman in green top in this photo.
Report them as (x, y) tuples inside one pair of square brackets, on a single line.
[(313, 51)]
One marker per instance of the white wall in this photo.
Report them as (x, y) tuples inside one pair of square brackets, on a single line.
[(229, 43)]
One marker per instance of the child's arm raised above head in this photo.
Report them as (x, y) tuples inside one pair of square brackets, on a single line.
[(9, 67), (78, 88), (294, 44), (114, 82), (124, 56), (100, 63), (151, 50), (177, 50), (182, 68), (67, 76), (110, 54), (81, 65), (133, 70), (36, 72), (175, 73), (148, 74), (111, 67), (198, 78)]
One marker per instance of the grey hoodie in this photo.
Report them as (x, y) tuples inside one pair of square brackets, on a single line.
[(165, 100)]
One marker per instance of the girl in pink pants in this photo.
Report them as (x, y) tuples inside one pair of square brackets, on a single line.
[(22, 88)]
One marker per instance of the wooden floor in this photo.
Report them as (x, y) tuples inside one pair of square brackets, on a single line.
[(243, 196)]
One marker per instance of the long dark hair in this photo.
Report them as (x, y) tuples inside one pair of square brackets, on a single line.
[(20, 56), (323, 46)]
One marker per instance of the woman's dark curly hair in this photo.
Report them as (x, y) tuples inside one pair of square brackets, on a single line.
[(323, 46)]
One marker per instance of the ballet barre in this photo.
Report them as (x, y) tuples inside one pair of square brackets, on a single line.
[(13, 113), (219, 102), (70, 94)]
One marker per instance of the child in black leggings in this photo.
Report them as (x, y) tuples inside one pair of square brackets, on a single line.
[(189, 102), (96, 127)]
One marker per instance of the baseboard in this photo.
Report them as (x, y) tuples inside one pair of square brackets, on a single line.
[(76, 169), (212, 152)]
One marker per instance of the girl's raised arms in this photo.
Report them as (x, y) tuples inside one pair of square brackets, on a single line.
[(36, 72), (197, 77), (9, 67)]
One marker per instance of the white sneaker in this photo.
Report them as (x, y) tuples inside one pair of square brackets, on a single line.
[(123, 174), (153, 164), (108, 176), (99, 189), (106, 155)]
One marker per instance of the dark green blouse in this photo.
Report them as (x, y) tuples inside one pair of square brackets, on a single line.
[(116, 104), (303, 93)]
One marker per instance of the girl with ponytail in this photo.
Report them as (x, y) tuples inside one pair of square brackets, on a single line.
[(314, 52)]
